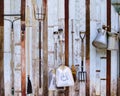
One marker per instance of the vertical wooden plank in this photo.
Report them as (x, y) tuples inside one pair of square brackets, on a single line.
[(88, 46), (45, 50), (1, 48), (108, 87), (23, 65), (98, 72), (66, 32), (103, 75), (34, 49), (66, 10)]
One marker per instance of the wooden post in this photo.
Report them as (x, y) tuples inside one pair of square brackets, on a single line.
[(66, 10), (23, 64), (1, 48), (108, 61), (88, 47), (45, 50)]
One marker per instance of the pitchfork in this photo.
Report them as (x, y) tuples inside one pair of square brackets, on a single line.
[(82, 74)]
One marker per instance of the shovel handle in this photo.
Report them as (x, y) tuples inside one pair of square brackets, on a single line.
[(39, 54), (82, 66)]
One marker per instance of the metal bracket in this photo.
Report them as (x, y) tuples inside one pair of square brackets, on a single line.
[(11, 14)]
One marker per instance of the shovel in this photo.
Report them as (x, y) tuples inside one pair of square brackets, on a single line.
[(29, 85), (82, 74)]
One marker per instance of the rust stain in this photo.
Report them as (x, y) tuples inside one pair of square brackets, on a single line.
[(23, 65), (1, 12), (45, 50), (1, 61), (1, 48), (88, 47), (23, 10), (66, 10), (108, 61)]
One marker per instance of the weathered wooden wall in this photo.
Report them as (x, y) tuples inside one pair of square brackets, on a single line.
[(56, 18), (2, 47)]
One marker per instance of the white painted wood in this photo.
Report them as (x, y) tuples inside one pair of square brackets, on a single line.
[(114, 55), (55, 13), (93, 59), (103, 91)]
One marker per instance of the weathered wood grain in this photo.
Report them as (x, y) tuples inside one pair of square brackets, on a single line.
[(88, 47), (23, 62), (1, 48), (66, 10), (108, 85), (45, 50)]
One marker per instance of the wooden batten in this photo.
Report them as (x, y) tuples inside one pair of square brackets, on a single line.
[(108, 61), (45, 49), (23, 64), (88, 47), (66, 10), (1, 48)]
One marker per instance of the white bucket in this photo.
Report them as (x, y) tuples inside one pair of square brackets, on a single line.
[(101, 40), (112, 41)]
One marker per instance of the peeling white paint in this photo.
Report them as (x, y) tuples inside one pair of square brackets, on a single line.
[(56, 20)]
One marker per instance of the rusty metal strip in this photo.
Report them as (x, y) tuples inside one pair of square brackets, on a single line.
[(66, 10), (97, 70), (108, 61), (88, 47), (45, 50), (1, 48), (23, 65), (103, 57), (12, 14), (103, 79)]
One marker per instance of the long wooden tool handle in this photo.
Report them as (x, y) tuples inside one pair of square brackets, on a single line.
[(72, 43), (28, 50), (60, 44), (82, 50), (55, 47), (61, 52), (12, 57), (82, 56), (39, 54), (55, 55), (56, 51), (82, 36), (23, 65), (27, 39)]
